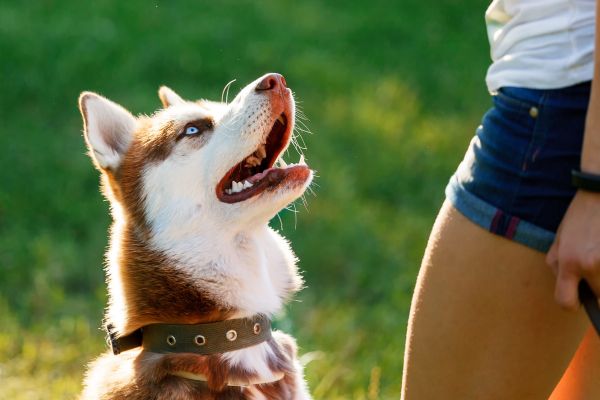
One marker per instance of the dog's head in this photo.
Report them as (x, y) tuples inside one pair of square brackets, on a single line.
[(198, 166)]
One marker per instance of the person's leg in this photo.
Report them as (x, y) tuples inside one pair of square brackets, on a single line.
[(581, 381), (483, 323)]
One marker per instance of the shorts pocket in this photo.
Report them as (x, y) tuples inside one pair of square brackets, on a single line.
[(512, 99)]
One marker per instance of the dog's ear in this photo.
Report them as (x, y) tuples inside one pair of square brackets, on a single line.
[(168, 97), (108, 129)]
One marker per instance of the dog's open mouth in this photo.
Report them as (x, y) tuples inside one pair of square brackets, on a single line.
[(256, 173)]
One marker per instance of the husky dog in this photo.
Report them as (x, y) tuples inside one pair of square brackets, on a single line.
[(191, 190)]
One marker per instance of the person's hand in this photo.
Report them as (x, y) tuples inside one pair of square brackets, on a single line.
[(575, 253)]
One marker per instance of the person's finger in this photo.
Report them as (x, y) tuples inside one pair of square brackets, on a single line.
[(566, 289)]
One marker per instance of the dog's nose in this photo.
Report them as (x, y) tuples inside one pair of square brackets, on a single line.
[(271, 82)]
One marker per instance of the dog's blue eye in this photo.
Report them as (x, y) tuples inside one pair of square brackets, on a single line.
[(191, 130), (196, 128)]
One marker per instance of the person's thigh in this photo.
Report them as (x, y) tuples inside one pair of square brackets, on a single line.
[(483, 323), (581, 381)]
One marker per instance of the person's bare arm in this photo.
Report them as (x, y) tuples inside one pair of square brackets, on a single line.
[(590, 158), (575, 254)]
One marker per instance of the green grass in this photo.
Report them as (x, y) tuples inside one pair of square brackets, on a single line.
[(393, 90)]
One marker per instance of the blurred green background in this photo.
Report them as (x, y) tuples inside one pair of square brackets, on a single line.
[(393, 91)]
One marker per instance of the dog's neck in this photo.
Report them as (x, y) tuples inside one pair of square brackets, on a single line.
[(201, 278)]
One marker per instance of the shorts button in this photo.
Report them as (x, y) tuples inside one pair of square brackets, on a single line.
[(533, 112)]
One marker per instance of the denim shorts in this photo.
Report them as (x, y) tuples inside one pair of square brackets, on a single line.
[(515, 179)]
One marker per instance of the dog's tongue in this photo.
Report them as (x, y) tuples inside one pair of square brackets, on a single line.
[(257, 177)]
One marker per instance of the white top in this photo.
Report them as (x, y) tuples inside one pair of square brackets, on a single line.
[(540, 44)]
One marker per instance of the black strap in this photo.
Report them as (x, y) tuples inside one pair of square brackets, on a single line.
[(210, 338), (590, 303), (123, 343), (585, 181)]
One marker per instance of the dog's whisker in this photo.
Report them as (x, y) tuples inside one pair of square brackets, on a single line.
[(303, 144), (304, 126), (301, 130), (295, 216), (280, 221), (300, 116), (226, 91), (301, 121), (304, 202)]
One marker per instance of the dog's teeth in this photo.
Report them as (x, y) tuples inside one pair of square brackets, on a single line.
[(282, 163), (301, 162), (252, 161), (236, 187), (280, 119), (262, 151), (228, 191), (247, 185)]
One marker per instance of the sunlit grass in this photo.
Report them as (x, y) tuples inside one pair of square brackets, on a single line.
[(392, 90)]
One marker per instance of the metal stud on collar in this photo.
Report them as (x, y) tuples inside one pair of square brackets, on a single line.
[(171, 340), (231, 335), (200, 340), (257, 328)]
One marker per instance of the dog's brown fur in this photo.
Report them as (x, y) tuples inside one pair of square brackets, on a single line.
[(141, 375), (157, 295)]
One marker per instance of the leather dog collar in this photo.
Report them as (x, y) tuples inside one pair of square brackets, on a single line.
[(205, 339)]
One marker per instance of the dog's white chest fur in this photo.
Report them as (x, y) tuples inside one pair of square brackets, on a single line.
[(253, 271)]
